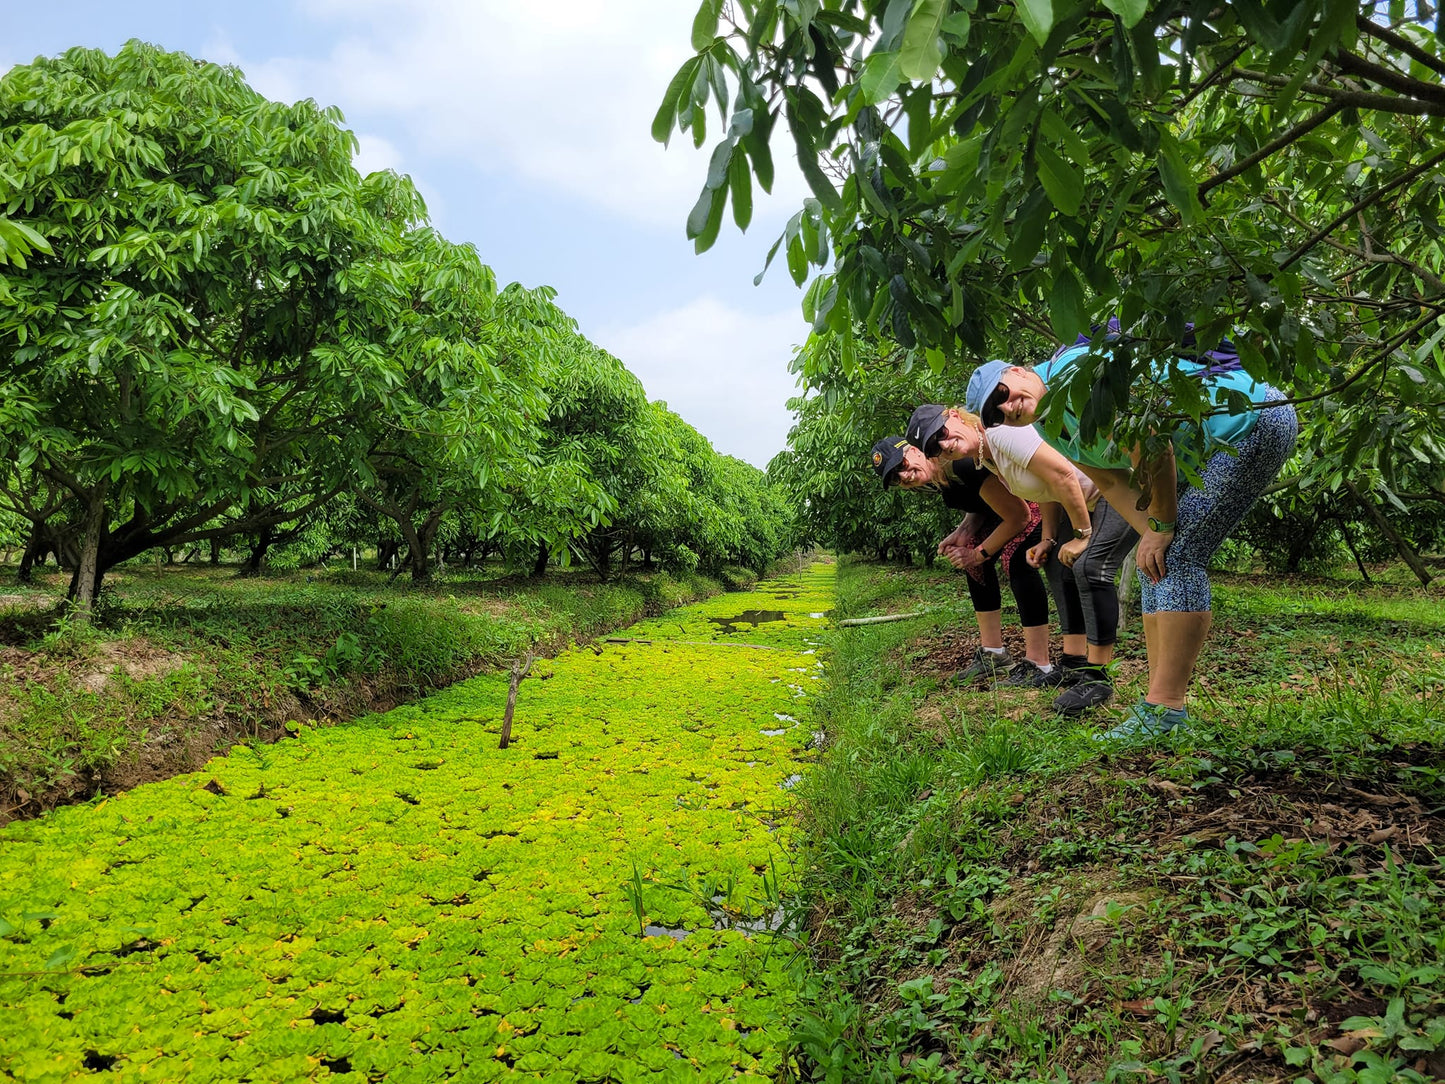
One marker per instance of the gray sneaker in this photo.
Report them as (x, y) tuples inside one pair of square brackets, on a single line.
[(985, 665)]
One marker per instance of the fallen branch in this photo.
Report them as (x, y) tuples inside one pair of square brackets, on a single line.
[(519, 671), (884, 618)]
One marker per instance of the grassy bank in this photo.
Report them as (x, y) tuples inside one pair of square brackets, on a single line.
[(184, 662), (995, 896)]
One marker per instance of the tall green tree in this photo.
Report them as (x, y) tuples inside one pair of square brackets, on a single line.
[(201, 331)]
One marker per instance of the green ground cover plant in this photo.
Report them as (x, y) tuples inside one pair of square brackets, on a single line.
[(181, 662), (995, 896), (399, 899)]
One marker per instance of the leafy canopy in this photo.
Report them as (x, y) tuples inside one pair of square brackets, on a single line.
[(1267, 169)]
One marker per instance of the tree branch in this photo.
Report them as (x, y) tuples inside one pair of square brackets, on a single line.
[(1405, 45), (1360, 99), (1389, 77), (1374, 197), (1274, 146)]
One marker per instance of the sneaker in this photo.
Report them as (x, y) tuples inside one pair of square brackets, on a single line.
[(1071, 670), (1025, 674), (1091, 688), (1147, 721), (985, 665)]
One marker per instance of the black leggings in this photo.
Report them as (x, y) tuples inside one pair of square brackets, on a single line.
[(1024, 580), (1087, 595)]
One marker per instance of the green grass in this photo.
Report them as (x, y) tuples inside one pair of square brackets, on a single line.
[(184, 661), (995, 896)]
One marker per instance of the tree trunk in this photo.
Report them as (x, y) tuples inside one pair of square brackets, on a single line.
[(256, 559), (386, 550), (85, 584), (1408, 555), (35, 551), (1350, 545), (419, 544), (215, 551), (539, 567)]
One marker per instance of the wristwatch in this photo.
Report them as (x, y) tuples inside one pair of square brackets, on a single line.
[(1083, 532), (986, 555), (1160, 525)]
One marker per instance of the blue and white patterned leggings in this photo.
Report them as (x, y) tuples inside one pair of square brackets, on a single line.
[(1232, 483)]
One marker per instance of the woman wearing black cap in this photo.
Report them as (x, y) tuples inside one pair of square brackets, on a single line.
[(997, 527)]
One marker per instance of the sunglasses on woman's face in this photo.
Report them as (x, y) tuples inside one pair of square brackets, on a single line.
[(992, 412), (930, 446)]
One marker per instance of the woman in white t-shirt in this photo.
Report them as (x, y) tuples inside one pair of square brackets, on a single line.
[(1083, 570)]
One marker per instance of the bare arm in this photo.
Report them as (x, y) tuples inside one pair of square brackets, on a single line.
[(1011, 510), (1059, 476)]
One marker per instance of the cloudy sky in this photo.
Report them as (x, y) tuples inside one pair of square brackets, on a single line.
[(525, 126)]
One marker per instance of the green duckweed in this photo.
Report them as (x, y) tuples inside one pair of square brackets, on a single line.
[(400, 899)]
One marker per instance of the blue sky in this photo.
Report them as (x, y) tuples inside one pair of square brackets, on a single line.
[(526, 129)]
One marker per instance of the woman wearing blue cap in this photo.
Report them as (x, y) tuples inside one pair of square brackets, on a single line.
[(1082, 571), (998, 528), (1183, 524)]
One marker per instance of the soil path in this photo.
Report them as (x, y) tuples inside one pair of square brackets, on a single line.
[(398, 899)]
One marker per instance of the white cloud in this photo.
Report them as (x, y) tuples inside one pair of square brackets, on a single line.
[(562, 94), (723, 370), (375, 153)]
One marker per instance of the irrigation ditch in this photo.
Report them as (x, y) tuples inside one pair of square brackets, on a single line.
[(400, 899)]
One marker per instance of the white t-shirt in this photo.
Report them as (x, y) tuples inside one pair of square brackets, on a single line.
[(1011, 449)]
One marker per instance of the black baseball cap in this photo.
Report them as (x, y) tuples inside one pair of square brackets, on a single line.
[(924, 427), (888, 457)]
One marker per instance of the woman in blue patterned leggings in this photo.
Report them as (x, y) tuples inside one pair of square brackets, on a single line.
[(1182, 526)]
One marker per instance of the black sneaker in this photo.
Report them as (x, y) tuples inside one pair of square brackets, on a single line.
[(985, 665), (1091, 688), (1074, 668), (1025, 674)]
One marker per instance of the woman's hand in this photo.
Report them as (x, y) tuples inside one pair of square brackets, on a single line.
[(1150, 555), (1072, 550), (1038, 554), (968, 557)]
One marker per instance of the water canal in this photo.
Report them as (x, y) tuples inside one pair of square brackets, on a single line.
[(400, 900)]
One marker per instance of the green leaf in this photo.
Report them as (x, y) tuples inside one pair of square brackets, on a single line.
[(710, 228), (882, 73), (717, 169), (1129, 11), (1067, 312), (921, 54), (704, 24), (1060, 179), (808, 162), (697, 217), (1178, 185), (740, 179), (673, 100), (1038, 18)]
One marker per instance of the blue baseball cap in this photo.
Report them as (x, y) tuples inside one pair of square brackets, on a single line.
[(982, 383)]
